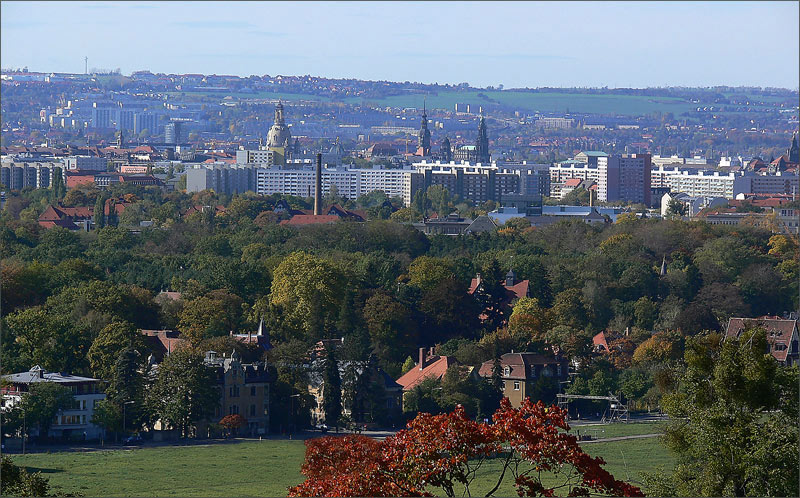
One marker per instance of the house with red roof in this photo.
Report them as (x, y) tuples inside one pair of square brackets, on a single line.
[(515, 289), (330, 214), (429, 366), (782, 335)]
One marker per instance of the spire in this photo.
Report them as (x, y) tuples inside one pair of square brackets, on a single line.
[(424, 138), (260, 332), (664, 266), (482, 143)]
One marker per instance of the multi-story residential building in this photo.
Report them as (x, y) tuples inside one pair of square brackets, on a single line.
[(478, 183), (18, 175), (222, 178), (624, 178), (72, 422), (300, 182), (258, 156), (704, 183), (779, 183), (659, 174), (555, 123), (172, 133), (566, 170), (147, 121)]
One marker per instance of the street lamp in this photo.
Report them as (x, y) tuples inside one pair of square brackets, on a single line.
[(291, 413), (124, 406)]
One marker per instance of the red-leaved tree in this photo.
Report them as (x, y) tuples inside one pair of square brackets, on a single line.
[(446, 452), (232, 422)]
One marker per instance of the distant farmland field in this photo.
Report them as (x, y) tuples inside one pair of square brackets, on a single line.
[(627, 105), (619, 104)]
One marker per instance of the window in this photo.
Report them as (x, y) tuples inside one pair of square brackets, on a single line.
[(252, 410), (252, 391), (506, 371), (516, 385), (533, 371), (266, 409)]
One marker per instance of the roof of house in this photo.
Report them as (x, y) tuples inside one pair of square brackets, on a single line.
[(481, 224), (599, 340), (572, 182), (38, 374), (519, 364), (162, 342), (59, 223), (310, 219), (779, 332), (433, 367)]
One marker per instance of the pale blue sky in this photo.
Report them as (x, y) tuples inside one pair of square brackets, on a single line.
[(517, 44)]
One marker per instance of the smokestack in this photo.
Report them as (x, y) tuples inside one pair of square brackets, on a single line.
[(318, 188), (421, 358)]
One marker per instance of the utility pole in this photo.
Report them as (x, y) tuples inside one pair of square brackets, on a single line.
[(23, 432)]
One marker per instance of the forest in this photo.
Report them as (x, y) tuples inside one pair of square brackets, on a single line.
[(73, 301)]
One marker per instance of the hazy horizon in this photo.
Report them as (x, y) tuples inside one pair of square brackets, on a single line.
[(515, 44)]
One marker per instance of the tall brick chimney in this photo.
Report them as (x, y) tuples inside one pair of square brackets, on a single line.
[(421, 358), (318, 187)]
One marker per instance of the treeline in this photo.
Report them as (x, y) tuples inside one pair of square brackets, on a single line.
[(73, 301)]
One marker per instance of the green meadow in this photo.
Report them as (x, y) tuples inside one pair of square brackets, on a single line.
[(269, 467)]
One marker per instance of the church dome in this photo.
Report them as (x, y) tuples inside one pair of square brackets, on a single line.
[(279, 134)]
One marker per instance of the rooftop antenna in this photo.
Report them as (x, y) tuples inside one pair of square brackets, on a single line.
[(86, 65)]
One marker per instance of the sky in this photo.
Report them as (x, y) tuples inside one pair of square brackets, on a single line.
[(516, 44)]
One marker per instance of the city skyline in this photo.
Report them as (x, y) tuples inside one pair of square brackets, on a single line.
[(531, 44)]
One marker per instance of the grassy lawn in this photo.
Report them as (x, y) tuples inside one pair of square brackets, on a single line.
[(267, 468)]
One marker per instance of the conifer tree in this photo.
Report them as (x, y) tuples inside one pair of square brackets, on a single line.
[(332, 388)]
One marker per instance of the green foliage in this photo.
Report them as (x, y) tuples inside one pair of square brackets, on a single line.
[(17, 481), (42, 402), (185, 390), (734, 423), (331, 388), (308, 290)]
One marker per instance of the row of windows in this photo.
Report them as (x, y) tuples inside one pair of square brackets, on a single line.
[(234, 410), (235, 392)]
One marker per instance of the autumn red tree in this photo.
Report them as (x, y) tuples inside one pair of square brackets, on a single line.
[(447, 451), (232, 422)]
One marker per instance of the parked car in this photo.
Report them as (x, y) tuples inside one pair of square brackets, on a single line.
[(135, 439)]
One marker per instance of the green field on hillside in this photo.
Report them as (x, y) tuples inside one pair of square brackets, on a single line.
[(628, 105), (623, 105), (267, 468)]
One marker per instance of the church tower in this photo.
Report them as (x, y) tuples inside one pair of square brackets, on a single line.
[(794, 152), (482, 144), (424, 134)]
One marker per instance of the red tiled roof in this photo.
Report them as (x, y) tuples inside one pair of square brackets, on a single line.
[(162, 342), (780, 333), (599, 341), (519, 364), (572, 182), (59, 223), (434, 367), (310, 219)]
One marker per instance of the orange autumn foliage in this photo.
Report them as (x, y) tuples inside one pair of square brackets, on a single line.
[(446, 451)]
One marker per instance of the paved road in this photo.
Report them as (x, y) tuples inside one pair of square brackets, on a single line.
[(619, 438)]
